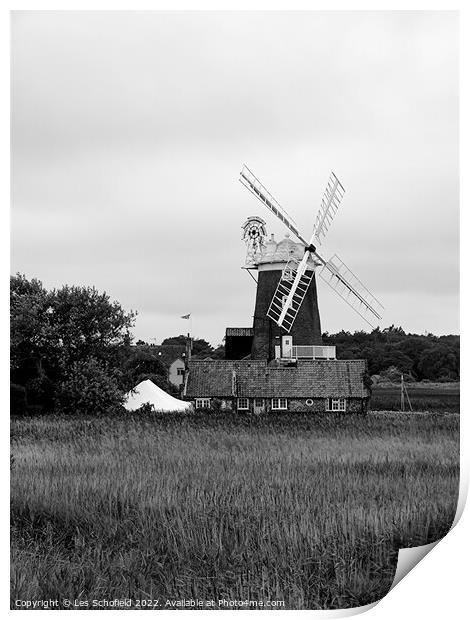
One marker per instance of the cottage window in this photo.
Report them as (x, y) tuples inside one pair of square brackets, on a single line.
[(336, 404), (279, 403), (203, 403), (180, 371), (243, 404), (259, 402)]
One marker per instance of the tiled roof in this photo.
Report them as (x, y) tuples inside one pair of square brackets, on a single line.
[(239, 331), (255, 378)]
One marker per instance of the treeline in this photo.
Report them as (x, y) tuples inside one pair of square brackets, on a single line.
[(71, 350), (200, 348), (391, 352)]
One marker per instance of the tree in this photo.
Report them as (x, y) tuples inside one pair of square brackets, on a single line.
[(31, 333), (88, 323), (374, 356), (175, 340), (409, 354), (218, 353), (398, 360), (33, 340), (143, 363), (51, 331), (89, 387), (393, 334), (200, 347), (439, 362)]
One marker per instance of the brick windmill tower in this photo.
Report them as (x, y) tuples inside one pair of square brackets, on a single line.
[(286, 322), (270, 265)]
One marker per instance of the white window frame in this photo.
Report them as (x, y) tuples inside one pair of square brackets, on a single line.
[(202, 403), (336, 404), (239, 407), (276, 404)]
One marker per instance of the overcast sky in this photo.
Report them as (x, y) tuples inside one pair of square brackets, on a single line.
[(129, 131)]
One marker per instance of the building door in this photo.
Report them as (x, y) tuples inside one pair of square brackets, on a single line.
[(286, 346), (258, 405)]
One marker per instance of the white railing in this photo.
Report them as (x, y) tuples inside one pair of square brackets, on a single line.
[(313, 352)]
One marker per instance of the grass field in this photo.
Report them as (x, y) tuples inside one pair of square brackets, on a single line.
[(306, 510)]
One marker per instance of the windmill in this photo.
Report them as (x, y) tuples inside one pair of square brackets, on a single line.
[(297, 280)]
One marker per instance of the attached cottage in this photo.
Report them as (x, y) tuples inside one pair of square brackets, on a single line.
[(257, 386)]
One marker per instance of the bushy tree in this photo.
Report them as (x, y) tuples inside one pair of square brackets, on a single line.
[(439, 362), (89, 387), (199, 346), (51, 331), (392, 373), (398, 360), (33, 342), (32, 336), (218, 353), (143, 363), (88, 323)]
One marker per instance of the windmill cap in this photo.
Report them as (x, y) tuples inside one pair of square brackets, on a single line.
[(281, 252)]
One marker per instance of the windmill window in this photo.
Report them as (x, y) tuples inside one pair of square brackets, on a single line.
[(336, 404), (279, 403), (203, 403), (242, 404)]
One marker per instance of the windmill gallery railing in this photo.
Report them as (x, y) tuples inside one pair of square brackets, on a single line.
[(311, 352)]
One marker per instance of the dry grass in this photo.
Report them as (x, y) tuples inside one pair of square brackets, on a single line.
[(309, 510)]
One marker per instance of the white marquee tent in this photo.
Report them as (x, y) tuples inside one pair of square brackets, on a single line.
[(148, 392)]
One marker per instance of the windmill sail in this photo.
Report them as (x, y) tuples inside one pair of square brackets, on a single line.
[(297, 275), (331, 200), (259, 190), (290, 293), (348, 286)]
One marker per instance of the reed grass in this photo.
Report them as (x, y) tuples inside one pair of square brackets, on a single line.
[(309, 510)]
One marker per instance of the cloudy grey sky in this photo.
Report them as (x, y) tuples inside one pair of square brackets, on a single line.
[(129, 130)]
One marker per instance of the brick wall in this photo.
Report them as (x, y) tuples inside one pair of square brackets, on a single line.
[(306, 329), (353, 405)]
